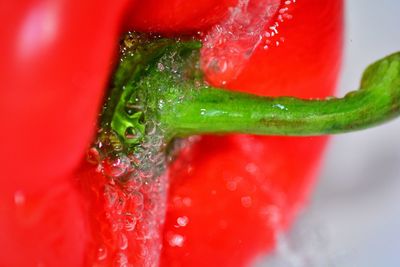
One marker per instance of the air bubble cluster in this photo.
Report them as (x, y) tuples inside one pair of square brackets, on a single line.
[(230, 44), (130, 156), (133, 197)]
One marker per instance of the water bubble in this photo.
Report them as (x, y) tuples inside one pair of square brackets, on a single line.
[(93, 156), (272, 214), (280, 106), (161, 104), (147, 185), (122, 241), (151, 128), (144, 229), (176, 240), (182, 221), (160, 66), (133, 183), (129, 222), (149, 204), (102, 253), (144, 251), (110, 195), (119, 204), (121, 260), (246, 201), (231, 185), (115, 166), (135, 204), (251, 168), (225, 53), (117, 226), (19, 198)]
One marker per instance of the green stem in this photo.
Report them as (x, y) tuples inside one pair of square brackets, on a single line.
[(158, 88), (213, 110)]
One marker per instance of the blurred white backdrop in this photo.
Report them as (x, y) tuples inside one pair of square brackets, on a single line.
[(353, 219)]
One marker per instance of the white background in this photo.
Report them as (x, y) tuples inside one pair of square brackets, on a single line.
[(353, 219)]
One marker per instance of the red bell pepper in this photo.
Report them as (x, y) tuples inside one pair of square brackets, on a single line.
[(228, 195), (234, 193)]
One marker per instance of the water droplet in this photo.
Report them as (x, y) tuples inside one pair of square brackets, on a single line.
[(145, 228), (161, 104), (280, 106), (251, 168), (176, 240), (93, 156), (19, 198), (110, 195), (119, 204), (231, 185), (122, 241), (115, 167), (233, 182), (160, 66), (149, 204), (129, 222), (135, 204), (101, 253), (272, 214), (117, 226), (144, 251), (246, 201), (147, 185), (121, 260), (182, 221), (133, 183)]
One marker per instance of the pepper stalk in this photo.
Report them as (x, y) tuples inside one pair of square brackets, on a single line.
[(159, 83)]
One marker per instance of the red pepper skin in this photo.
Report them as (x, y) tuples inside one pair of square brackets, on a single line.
[(58, 58), (176, 16), (55, 63), (230, 195)]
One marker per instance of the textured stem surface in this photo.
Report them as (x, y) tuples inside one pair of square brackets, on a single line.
[(212, 110)]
